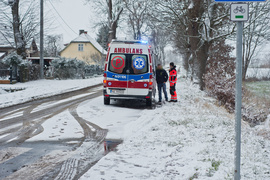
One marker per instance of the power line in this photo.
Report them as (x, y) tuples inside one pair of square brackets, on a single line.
[(61, 17)]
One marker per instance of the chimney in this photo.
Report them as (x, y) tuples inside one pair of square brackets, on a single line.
[(81, 31)]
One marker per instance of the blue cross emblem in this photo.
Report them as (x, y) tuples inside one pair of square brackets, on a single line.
[(139, 63)]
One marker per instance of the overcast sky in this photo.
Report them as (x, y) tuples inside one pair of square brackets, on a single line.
[(75, 13)]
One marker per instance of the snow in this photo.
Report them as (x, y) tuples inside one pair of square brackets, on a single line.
[(42, 88), (192, 138), (116, 119), (2, 53), (87, 38), (191, 5), (59, 127)]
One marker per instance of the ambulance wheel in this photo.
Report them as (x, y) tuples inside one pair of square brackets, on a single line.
[(148, 102), (107, 101)]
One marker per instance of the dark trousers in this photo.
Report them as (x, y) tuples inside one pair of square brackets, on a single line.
[(162, 86)]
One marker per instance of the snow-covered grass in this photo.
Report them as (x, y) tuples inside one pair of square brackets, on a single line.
[(190, 139), (260, 88), (40, 88)]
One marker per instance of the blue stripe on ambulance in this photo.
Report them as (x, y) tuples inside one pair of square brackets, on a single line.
[(125, 77)]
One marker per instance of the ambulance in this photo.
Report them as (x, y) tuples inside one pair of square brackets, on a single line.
[(128, 72)]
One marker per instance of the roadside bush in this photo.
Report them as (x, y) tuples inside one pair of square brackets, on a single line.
[(19, 66), (13, 59), (4, 71), (220, 74), (34, 71), (65, 68)]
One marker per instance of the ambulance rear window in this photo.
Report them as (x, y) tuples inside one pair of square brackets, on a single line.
[(139, 64), (117, 63), (128, 63)]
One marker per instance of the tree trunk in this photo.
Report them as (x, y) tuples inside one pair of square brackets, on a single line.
[(112, 33), (202, 60), (18, 37), (193, 31)]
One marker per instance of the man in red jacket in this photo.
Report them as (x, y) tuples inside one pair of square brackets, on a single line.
[(173, 79)]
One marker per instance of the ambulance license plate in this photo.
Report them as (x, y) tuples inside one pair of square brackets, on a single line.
[(117, 91)]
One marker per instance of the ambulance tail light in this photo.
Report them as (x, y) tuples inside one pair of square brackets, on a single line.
[(151, 82), (105, 83)]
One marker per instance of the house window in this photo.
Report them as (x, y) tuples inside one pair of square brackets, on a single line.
[(80, 47)]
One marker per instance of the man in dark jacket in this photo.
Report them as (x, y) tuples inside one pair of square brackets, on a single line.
[(161, 78)]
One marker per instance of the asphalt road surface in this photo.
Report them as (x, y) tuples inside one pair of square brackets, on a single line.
[(63, 159)]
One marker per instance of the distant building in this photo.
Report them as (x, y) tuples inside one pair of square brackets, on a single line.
[(32, 50), (85, 48)]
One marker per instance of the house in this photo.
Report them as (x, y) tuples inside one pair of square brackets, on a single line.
[(33, 54), (32, 50), (85, 48)]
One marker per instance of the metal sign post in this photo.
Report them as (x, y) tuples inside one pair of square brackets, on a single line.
[(238, 100), (239, 14)]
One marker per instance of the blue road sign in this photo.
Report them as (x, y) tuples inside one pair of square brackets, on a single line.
[(240, 0)]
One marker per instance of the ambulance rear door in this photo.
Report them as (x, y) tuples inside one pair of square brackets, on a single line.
[(117, 79), (138, 74)]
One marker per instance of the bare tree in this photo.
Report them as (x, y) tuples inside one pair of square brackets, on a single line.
[(52, 45), (22, 19), (196, 24), (138, 11), (112, 10), (257, 32)]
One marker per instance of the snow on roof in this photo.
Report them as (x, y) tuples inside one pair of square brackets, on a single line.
[(5, 45), (86, 38), (1, 54)]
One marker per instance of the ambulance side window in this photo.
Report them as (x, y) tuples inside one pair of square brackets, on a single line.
[(117, 63), (139, 64)]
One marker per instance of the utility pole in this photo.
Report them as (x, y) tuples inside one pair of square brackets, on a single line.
[(41, 61)]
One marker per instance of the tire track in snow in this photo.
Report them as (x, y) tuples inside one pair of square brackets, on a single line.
[(70, 168)]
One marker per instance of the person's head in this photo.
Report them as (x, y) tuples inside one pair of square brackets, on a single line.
[(171, 65), (159, 66)]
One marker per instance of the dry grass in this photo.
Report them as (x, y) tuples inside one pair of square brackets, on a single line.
[(256, 103)]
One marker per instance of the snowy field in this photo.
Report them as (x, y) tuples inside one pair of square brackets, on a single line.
[(41, 88), (190, 139), (258, 73)]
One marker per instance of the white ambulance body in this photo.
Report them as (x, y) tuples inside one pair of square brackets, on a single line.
[(128, 72)]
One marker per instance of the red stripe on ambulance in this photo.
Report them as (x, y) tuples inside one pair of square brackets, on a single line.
[(120, 84), (138, 85)]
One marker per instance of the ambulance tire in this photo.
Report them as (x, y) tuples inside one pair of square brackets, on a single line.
[(149, 102), (107, 101)]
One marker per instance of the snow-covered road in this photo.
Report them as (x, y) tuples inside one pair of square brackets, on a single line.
[(60, 136), (29, 91)]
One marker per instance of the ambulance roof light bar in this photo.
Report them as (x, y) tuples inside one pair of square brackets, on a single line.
[(129, 41)]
